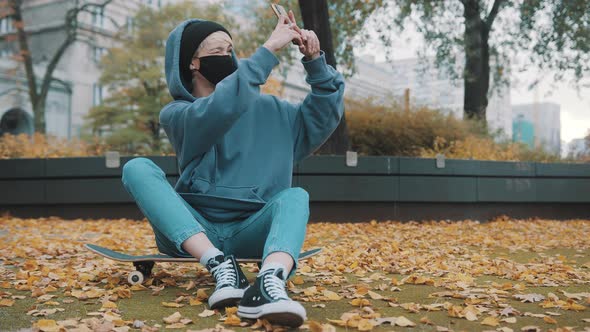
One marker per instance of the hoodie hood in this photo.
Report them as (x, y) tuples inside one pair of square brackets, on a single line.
[(179, 90)]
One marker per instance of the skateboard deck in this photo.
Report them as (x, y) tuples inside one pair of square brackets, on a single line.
[(144, 263), (122, 257)]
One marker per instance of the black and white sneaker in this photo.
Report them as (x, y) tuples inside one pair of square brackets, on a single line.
[(231, 281), (267, 299)]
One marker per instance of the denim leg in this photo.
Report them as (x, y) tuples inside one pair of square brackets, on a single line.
[(278, 227), (166, 211)]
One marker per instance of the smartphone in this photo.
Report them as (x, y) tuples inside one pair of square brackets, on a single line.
[(280, 10)]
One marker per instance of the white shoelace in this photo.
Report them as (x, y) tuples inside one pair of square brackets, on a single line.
[(224, 274), (275, 286)]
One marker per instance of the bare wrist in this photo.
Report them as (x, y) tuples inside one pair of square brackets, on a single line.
[(270, 47), (312, 57)]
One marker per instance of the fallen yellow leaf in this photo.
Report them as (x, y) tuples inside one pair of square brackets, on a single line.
[(549, 320), (332, 296), (490, 321), (172, 305), (6, 303)]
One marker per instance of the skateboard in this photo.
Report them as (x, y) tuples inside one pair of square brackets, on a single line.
[(144, 263)]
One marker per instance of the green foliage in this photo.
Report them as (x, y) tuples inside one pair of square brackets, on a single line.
[(547, 34), (558, 32), (134, 74)]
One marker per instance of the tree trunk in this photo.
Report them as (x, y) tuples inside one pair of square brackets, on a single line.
[(315, 17), (155, 131), (477, 65), (39, 115), (37, 102), (38, 93)]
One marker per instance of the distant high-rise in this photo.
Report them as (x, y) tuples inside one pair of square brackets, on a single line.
[(545, 118), (523, 131), (578, 147)]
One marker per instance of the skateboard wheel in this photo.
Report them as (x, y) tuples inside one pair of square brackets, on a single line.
[(135, 278), (145, 268)]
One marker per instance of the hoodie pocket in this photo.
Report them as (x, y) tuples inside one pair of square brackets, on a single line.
[(199, 185), (244, 192), (203, 186)]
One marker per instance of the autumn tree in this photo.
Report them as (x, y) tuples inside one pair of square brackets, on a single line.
[(544, 34), (134, 75), (38, 88)]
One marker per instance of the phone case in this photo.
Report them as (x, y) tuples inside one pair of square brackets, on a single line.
[(278, 10)]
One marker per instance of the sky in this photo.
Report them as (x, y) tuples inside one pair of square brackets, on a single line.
[(575, 107)]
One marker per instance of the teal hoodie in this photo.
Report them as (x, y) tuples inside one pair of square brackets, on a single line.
[(236, 147)]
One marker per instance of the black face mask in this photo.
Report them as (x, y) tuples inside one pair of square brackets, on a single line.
[(216, 67)]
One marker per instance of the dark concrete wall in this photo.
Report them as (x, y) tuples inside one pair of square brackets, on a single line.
[(381, 188)]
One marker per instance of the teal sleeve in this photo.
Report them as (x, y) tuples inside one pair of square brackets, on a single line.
[(193, 128), (315, 119)]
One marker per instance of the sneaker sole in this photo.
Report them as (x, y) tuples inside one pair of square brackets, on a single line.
[(281, 313), (225, 298)]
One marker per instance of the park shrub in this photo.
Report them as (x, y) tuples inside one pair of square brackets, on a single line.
[(388, 129), (483, 148), (47, 146), (374, 129)]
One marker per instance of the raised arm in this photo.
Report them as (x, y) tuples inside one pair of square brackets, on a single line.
[(194, 127), (316, 118)]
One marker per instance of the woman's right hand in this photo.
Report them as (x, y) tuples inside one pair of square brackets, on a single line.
[(284, 33)]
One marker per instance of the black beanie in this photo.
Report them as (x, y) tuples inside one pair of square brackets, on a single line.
[(192, 36)]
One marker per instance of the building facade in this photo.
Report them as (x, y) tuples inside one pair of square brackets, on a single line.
[(579, 147), (75, 87), (523, 131), (373, 79), (545, 118)]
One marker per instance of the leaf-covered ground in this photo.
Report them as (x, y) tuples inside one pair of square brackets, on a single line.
[(503, 275)]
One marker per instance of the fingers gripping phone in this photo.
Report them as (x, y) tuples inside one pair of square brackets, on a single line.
[(280, 10)]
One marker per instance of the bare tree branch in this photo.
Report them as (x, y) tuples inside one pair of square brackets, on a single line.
[(71, 23), (38, 96), (489, 20), (15, 6)]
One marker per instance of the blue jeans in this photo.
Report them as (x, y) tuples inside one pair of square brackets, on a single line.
[(279, 226)]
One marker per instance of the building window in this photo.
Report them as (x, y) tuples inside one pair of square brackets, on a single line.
[(98, 17), (98, 94), (6, 52), (99, 52), (6, 25), (130, 25)]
